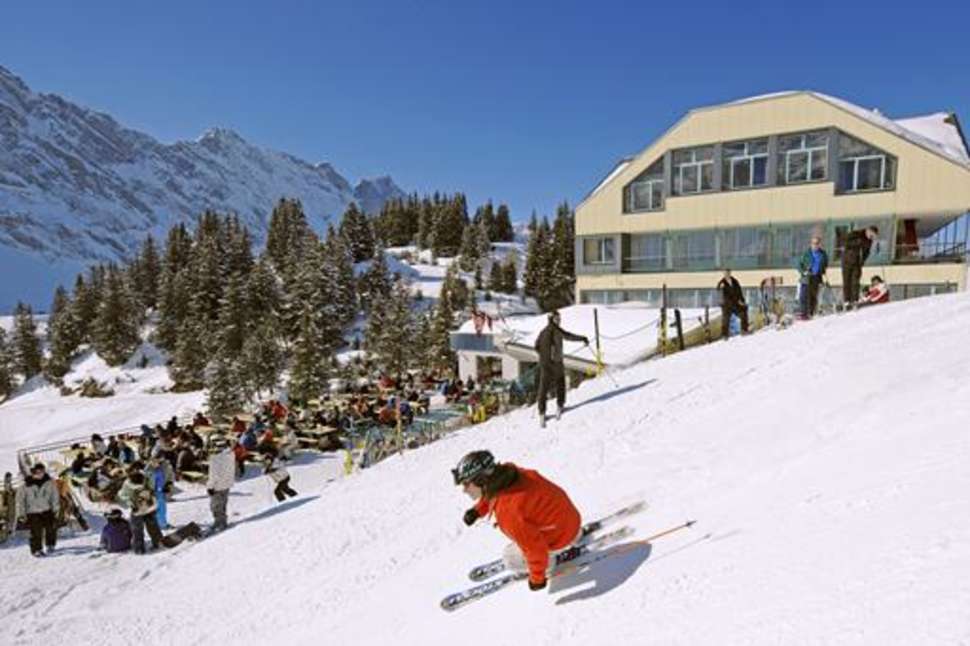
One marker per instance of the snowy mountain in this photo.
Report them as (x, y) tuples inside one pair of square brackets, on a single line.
[(77, 187), (825, 465)]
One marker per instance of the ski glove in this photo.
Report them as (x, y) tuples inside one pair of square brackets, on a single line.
[(535, 587), (470, 516)]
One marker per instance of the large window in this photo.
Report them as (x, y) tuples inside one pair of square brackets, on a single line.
[(646, 192), (694, 250), (745, 248), (648, 252), (803, 157), (598, 251), (693, 170), (863, 167), (745, 164)]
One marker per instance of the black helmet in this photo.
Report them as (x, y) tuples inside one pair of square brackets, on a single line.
[(474, 466)]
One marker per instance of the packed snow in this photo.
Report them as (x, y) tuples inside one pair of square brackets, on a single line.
[(825, 465)]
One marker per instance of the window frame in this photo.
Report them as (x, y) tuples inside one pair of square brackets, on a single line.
[(882, 157), (678, 170), (810, 152), (601, 245), (749, 157)]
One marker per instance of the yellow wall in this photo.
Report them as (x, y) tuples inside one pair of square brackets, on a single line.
[(926, 183), (892, 274)]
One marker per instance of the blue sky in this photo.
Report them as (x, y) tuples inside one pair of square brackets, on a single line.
[(527, 103)]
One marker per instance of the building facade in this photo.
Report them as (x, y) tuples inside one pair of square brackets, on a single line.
[(745, 185)]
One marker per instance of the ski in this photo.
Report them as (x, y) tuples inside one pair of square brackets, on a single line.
[(490, 569), (474, 593)]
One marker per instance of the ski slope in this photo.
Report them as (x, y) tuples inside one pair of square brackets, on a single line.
[(826, 466)]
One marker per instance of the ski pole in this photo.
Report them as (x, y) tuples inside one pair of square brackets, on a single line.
[(605, 368)]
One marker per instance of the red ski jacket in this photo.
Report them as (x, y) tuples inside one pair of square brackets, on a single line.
[(537, 515)]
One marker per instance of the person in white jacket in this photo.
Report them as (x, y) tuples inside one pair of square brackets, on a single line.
[(222, 475), (38, 504)]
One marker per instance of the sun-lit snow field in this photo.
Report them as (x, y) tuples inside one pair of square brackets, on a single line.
[(826, 465)]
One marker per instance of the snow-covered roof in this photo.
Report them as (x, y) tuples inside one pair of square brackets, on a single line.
[(942, 127), (617, 169)]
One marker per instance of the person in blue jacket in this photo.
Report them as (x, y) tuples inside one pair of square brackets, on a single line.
[(812, 268)]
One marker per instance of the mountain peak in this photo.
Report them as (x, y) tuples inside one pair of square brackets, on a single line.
[(222, 135)]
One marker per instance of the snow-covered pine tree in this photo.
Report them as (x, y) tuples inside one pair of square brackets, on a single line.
[(310, 370), (6, 369), (262, 359), (115, 330), (25, 344), (341, 266), (263, 293), (448, 227), (391, 330), (456, 288), (496, 277), (468, 253), (226, 395), (173, 305), (510, 284), (148, 273), (239, 247), (563, 270), (234, 319), (207, 282), (419, 349), (375, 283), (538, 264), (358, 233), (426, 214), (187, 368), (483, 240), (440, 355), (63, 333), (85, 305)]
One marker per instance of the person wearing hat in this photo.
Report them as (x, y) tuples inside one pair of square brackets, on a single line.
[(38, 504), (552, 372), (116, 535), (222, 475), (535, 513), (138, 493)]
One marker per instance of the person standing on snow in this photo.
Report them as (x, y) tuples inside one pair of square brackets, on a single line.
[(732, 302), (552, 372), (812, 268), (222, 475), (38, 504), (536, 514), (856, 252)]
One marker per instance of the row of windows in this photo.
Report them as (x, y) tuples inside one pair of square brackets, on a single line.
[(801, 158), (700, 298), (767, 246)]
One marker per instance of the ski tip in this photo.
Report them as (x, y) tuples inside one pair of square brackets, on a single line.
[(689, 523)]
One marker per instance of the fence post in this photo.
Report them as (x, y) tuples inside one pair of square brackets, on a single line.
[(707, 323), (596, 329), (663, 321), (680, 328)]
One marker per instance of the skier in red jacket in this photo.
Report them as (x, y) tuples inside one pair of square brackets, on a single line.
[(536, 514)]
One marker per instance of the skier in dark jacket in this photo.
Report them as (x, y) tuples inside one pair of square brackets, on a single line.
[(812, 268), (732, 302), (857, 246), (116, 535), (38, 504), (552, 373)]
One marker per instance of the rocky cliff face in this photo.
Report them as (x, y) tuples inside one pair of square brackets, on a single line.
[(78, 187)]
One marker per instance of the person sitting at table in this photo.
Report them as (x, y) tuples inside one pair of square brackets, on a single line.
[(249, 439), (240, 453), (188, 459), (173, 426), (82, 459), (470, 384), (190, 437), (200, 420), (238, 426), (267, 444), (105, 481), (279, 411)]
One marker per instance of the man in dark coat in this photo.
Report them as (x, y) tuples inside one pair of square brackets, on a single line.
[(552, 373), (732, 302), (856, 252)]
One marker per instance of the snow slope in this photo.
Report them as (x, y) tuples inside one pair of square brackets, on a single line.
[(826, 466)]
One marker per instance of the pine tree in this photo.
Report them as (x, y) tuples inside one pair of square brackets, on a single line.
[(63, 332), (391, 332), (25, 343), (375, 283), (262, 359), (456, 289), (511, 283), (425, 224), (174, 287), (358, 233), (233, 319), (226, 395), (420, 347), (440, 355), (340, 264), (115, 331), (6, 369), (537, 262), (146, 274), (562, 274), (483, 240), (503, 231), (448, 226), (310, 372), (496, 277), (468, 253), (263, 293), (85, 305), (189, 361)]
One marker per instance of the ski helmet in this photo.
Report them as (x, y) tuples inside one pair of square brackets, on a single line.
[(474, 466)]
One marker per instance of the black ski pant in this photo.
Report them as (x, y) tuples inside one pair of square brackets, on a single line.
[(283, 490), (551, 378), (726, 311), (851, 275), (809, 295), (43, 530), (138, 526)]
